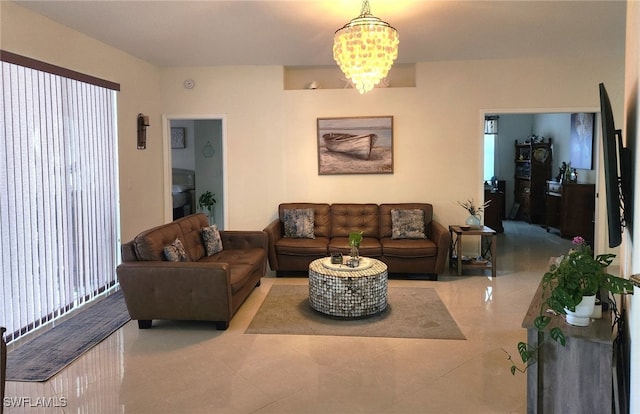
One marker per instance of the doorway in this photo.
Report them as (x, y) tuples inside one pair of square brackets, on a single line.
[(195, 162), (520, 126)]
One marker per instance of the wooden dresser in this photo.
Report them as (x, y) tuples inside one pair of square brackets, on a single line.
[(571, 209)]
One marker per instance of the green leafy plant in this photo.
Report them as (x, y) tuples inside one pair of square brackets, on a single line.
[(355, 238), (207, 201), (577, 274)]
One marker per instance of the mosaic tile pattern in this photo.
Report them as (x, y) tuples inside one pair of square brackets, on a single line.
[(349, 294)]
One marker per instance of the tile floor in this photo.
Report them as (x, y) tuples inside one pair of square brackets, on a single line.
[(192, 368)]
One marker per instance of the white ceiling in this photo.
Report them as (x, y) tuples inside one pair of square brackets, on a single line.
[(300, 33)]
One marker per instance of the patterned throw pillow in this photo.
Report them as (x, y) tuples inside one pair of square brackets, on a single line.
[(407, 224), (175, 252), (212, 240), (298, 223)]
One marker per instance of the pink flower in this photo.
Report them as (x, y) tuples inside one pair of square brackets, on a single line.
[(578, 240)]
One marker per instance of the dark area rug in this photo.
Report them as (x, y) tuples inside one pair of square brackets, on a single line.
[(47, 354), (410, 313)]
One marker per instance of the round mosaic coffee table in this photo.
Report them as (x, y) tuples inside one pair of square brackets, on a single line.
[(339, 290)]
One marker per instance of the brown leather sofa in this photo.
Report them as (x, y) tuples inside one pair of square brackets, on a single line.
[(205, 288), (332, 225)]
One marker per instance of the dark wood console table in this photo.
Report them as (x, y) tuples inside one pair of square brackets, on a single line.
[(576, 378)]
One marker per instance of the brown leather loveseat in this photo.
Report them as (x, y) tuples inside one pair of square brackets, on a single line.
[(422, 250), (203, 286)]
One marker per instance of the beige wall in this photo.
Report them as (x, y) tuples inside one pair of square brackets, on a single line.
[(437, 128), (32, 35), (632, 135), (271, 132)]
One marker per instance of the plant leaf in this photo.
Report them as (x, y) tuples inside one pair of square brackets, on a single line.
[(558, 336)]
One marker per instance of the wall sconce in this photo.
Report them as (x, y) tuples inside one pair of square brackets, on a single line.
[(491, 124), (143, 123)]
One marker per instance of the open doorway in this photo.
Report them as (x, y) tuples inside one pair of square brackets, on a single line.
[(195, 162), (502, 162)]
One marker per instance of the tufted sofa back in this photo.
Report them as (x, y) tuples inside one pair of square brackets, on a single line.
[(149, 245), (346, 218)]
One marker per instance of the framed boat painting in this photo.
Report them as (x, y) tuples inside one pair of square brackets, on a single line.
[(355, 145)]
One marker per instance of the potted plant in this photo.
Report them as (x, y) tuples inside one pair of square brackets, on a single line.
[(574, 277), (355, 238), (474, 212), (207, 202)]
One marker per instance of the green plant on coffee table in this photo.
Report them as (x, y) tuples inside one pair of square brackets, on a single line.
[(577, 274), (355, 238)]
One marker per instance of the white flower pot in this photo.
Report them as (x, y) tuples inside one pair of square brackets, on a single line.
[(582, 315)]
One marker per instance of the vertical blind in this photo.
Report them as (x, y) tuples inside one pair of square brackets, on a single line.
[(58, 196)]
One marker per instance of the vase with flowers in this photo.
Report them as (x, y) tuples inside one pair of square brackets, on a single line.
[(474, 211), (572, 278)]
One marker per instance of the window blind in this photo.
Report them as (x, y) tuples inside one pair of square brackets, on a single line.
[(58, 196)]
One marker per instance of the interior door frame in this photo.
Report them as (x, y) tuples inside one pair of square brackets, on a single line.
[(166, 158), (600, 222)]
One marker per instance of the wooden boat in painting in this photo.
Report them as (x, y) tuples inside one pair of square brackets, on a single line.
[(355, 145)]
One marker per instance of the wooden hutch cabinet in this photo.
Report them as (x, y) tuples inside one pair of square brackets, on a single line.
[(533, 169)]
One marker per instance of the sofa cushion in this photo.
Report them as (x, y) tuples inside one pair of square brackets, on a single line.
[(408, 247), (302, 247), (347, 218), (298, 223), (212, 240), (242, 262), (321, 217), (175, 252), (385, 216), (407, 224)]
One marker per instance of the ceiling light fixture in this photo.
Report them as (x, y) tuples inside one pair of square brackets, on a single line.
[(365, 49)]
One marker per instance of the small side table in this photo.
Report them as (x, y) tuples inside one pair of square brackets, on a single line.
[(488, 242)]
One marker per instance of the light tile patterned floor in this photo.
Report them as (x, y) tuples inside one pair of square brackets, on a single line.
[(192, 368)]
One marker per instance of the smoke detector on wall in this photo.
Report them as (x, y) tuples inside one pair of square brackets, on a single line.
[(189, 84)]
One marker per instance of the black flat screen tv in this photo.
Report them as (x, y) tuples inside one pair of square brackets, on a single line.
[(617, 160)]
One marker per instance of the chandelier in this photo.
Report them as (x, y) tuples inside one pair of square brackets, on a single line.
[(365, 49)]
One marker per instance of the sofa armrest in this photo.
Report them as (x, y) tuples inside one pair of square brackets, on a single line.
[(160, 290), (441, 237), (274, 232)]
